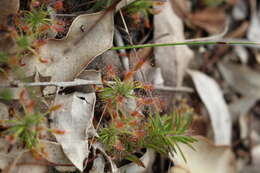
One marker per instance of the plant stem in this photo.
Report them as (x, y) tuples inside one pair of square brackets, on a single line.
[(189, 43)]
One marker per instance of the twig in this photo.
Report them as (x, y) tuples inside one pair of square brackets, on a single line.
[(17, 84)]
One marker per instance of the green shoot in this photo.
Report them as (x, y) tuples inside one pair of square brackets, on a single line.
[(161, 133), (119, 89), (164, 133), (25, 128), (36, 19), (115, 96), (130, 131), (24, 42), (188, 43)]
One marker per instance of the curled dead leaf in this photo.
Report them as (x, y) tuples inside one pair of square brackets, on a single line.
[(69, 56)]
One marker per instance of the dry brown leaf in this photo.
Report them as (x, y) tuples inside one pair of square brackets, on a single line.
[(172, 60), (75, 118), (205, 158), (69, 56), (212, 96), (8, 7), (212, 20)]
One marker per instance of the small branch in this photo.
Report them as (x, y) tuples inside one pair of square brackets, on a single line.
[(17, 84)]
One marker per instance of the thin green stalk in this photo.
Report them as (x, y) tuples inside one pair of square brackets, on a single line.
[(189, 43)]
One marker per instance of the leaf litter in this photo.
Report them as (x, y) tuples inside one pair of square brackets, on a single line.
[(67, 59)]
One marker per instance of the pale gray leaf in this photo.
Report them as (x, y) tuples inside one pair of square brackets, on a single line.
[(212, 96), (75, 118)]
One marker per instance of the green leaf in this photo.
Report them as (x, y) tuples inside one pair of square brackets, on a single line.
[(179, 149)]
